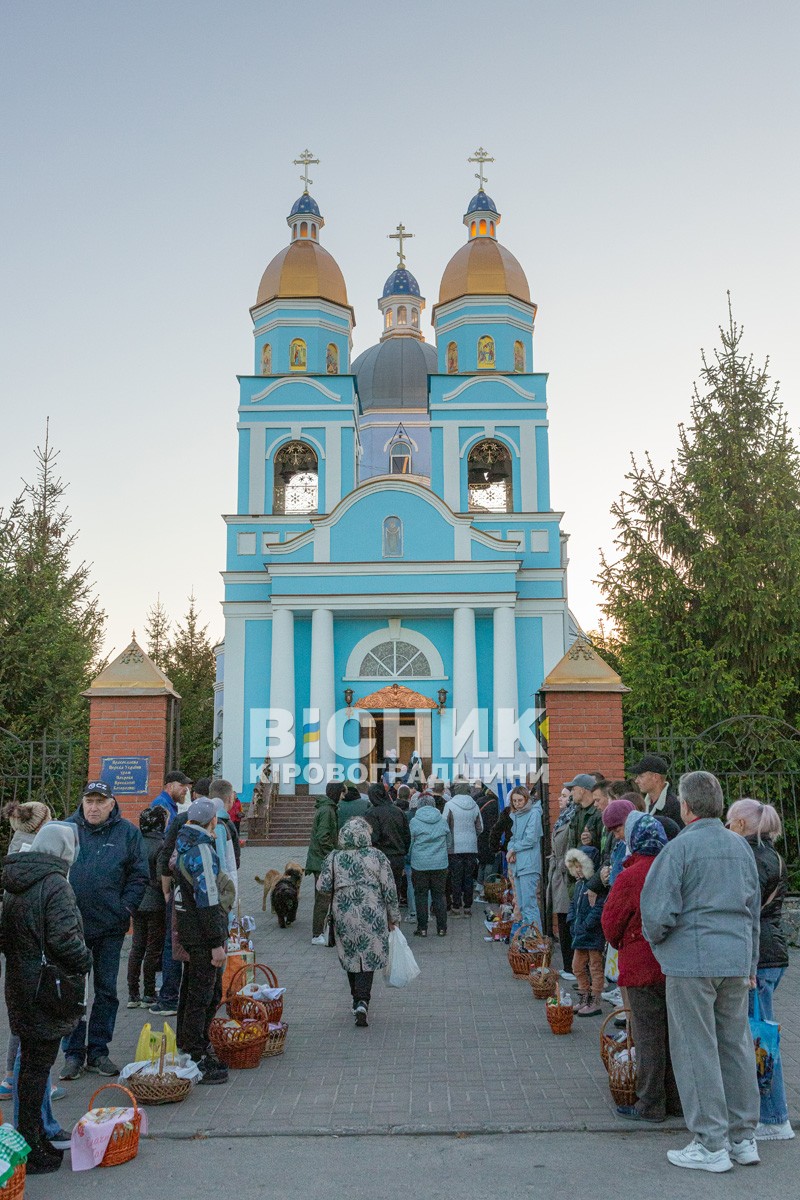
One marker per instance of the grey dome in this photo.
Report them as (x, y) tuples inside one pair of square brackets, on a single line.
[(394, 374)]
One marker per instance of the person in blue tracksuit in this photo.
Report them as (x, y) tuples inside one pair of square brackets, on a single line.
[(524, 853)]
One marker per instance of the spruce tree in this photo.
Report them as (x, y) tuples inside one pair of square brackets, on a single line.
[(703, 601), (157, 631), (190, 666)]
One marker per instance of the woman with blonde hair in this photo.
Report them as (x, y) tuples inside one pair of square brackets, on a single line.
[(759, 824), (524, 853)]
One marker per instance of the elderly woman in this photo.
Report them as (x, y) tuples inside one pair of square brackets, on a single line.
[(364, 906), (760, 824), (641, 975), (525, 853), (40, 917)]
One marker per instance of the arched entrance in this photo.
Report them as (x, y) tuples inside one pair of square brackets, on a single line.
[(399, 719)]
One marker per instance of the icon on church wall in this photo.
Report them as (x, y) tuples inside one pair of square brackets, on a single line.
[(392, 538), (332, 359), (452, 359), (266, 359), (297, 355), (485, 353), (519, 356)]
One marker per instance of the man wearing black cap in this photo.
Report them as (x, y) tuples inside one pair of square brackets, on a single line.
[(176, 785), (650, 775), (586, 826), (108, 878)]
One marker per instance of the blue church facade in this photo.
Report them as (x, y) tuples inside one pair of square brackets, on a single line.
[(395, 576)]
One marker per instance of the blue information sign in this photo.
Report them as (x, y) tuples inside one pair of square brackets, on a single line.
[(126, 776)]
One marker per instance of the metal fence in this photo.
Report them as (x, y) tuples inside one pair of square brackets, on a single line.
[(51, 768)]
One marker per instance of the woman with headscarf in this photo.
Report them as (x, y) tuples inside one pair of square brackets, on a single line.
[(364, 905), (431, 840), (641, 975), (41, 919)]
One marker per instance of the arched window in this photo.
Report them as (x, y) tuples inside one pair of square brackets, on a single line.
[(395, 660), (304, 229), (489, 477), (402, 315), (392, 538), (491, 228), (294, 232), (266, 359), (332, 359), (389, 318), (486, 353), (313, 230), (482, 227), (415, 317), (519, 356), (400, 459), (298, 355), (296, 478), (452, 359), (473, 229)]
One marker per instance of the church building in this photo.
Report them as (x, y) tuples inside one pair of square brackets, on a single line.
[(395, 575)]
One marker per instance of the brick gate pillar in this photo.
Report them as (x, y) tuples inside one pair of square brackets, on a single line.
[(583, 697), (134, 728)]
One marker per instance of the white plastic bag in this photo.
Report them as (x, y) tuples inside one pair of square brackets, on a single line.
[(401, 967)]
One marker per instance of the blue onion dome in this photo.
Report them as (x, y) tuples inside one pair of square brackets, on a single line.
[(480, 202), (306, 204), (401, 283)]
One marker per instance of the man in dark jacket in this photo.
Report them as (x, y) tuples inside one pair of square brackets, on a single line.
[(353, 804), (390, 830), (202, 931), (176, 785), (109, 879), (650, 774), (324, 838), (586, 826)]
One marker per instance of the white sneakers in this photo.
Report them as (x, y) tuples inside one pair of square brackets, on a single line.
[(322, 940), (567, 975), (612, 996), (774, 1133), (697, 1158)]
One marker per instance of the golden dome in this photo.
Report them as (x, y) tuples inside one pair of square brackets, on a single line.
[(303, 269), (483, 267)]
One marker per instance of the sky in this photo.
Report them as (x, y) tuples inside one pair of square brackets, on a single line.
[(646, 162)]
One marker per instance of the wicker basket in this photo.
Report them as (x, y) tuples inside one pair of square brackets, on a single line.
[(276, 1041), (542, 979), (494, 889), (15, 1188), (240, 1047), (164, 1088), (609, 1045), (123, 1145), (528, 949), (502, 929), (274, 1007), (559, 1016)]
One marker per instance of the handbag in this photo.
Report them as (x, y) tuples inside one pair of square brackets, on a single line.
[(767, 1043), (59, 993), (331, 927)]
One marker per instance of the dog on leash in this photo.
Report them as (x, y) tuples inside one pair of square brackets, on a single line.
[(283, 889)]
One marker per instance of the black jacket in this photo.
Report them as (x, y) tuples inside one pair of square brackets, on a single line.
[(153, 898), (501, 831), (489, 812), (38, 900), (168, 848), (671, 809), (772, 951), (110, 874), (390, 829)]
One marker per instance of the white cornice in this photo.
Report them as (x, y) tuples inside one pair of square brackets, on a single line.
[(396, 566), (525, 307), (445, 327), (287, 380), (260, 311), (479, 379)]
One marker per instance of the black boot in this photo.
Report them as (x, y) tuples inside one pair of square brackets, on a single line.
[(43, 1158)]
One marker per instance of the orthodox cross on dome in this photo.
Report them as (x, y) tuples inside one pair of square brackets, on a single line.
[(400, 237), (305, 160), (480, 156)]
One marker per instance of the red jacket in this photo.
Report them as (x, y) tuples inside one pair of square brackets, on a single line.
[(622, 925)]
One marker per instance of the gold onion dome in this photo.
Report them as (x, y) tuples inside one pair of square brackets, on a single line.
[(483, 268), (303, 269)]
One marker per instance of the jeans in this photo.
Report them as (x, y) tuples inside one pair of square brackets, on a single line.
[(147, 950), (49, 1123), (37, 1056), (360, 986), (526, 888), (106, 951), (462, 868), (433, 882), (412, 910), (170, 968), (774, 1109), (201, 994)]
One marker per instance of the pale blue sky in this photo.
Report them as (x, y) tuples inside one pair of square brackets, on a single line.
[(646, 161)]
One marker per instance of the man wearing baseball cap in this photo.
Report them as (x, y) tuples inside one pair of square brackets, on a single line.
[(586, 826), (176, 785), (108, 878), (650, 775)]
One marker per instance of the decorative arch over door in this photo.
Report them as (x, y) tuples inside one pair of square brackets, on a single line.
[(395, 652)]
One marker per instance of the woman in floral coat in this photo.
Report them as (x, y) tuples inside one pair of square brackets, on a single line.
[(364, 908)]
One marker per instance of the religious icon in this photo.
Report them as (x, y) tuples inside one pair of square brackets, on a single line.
[(297, 355), (519, 356), (485, 353), (332, 359), (392, 538), (266, 359), (452, 359)]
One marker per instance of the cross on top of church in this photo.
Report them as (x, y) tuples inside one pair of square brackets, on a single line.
[(400, 237), (305, 160), (480, 156)]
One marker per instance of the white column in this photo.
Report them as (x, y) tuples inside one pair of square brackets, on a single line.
[(233, 723), (465, 676), (281, 686), (504, 667), (322, 681)]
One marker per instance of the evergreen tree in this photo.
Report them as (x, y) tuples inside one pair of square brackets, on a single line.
[(157, 631), (190, 666), (51, 624), (703, 599)]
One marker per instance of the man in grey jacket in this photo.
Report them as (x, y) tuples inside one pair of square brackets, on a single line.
[(700, 913)]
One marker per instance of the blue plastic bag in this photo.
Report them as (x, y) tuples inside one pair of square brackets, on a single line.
[(767, 1042)]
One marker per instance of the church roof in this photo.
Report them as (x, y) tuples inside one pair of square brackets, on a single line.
[(303, 269), (394, 374), (401, 283), (482, 267), (583, 670), (131, 673)]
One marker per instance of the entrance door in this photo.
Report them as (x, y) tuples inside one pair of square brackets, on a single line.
[(398, 730)]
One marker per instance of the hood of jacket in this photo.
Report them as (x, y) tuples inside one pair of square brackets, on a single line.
[(25, 870), (192, 835), (588, 859), (378, 795), (112, 818), (461, 789), (427, 815), (324, 802), (462, 800)]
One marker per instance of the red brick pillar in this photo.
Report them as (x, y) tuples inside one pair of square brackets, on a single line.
[(133, 729), (583, 697)]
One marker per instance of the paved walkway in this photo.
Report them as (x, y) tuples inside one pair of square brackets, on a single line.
[(465, 1048)]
